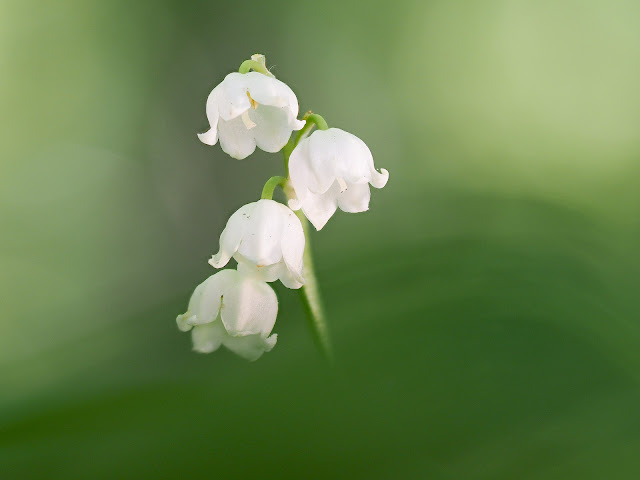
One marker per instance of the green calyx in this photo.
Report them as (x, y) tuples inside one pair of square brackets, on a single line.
[(257, 63), (318, 120)]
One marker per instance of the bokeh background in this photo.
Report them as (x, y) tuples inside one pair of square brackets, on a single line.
[(485, 312)]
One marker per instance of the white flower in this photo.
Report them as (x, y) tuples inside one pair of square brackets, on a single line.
[(330, 169), (249, 109), (233, 310), (267, 240)]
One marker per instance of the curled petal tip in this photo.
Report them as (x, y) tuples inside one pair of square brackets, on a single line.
[(379, 180), (183, 322), (297, 124), (209, 138), (217, 261), (270, 342)]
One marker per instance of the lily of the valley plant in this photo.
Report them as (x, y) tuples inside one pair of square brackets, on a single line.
[(323, 171)]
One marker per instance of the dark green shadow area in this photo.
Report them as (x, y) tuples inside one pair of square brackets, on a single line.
[(478, 354)]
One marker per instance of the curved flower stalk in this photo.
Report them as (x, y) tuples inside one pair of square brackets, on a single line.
[(234, 310), (267, 240), (332, 169), (249, 109), (324, 171)]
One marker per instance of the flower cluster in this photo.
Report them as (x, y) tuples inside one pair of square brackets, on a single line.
[(327, 169)]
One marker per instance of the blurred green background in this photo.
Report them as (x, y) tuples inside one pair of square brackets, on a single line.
[(485, 312)]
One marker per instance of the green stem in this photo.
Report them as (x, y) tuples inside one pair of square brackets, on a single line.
[(270, 186), (286, 153), (252, 65), (304, 131), (310, 296), (311, 120), (309, 292)]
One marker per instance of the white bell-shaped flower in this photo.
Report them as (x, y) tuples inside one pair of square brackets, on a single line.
[(249, 109), (330, 169), (267, 240), (234, 310)]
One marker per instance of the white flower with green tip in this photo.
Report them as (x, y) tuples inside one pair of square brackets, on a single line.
[(249, 109), (332, 169)]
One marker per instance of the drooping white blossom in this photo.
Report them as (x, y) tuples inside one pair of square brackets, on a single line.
[(267, 240), (249, 109), (330, 169), (234, 310)]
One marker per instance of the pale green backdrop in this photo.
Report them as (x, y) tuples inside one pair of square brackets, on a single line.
[(485, 312)]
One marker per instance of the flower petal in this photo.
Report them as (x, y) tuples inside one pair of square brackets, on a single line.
[(267, 273), (211, 136), (319, 208), (302, 177), (290, 280), (211, 298), (324, 156), (268, 90), (261, 242), (183, 320), (272, 129), (208, 338), (250, 347), (232, 97), (232, 235), (293, 242), (379, 180), (355, 159), (249, 307), (294, 123), (355, 198), (235, 138)]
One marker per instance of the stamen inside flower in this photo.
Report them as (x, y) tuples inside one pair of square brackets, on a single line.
[(247, 120), (254, 104), (245, 116), (342, 183)]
